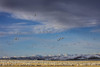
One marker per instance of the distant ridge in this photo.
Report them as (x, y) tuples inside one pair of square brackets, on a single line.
[(57, 57)]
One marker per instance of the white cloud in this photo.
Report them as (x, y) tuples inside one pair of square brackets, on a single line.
[(96, 30), (54, 16)]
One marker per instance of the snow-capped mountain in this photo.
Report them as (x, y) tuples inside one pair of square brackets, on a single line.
[(58, 57)]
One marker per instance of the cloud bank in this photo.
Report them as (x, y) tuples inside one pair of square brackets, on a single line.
[(54, 15)]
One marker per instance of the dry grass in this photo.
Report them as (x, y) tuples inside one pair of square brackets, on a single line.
[(37, 63)]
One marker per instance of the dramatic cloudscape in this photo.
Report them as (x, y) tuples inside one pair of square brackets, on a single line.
[(43, 27)]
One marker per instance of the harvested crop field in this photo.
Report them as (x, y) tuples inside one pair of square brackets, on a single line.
[(49, 66), (38, 63)]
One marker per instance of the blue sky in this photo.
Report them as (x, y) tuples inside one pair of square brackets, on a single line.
[(49, 27)]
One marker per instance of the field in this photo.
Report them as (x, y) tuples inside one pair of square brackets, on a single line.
[(49, 66), (36, 63)]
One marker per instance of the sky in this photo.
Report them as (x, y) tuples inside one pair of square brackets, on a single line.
[(49, 27)]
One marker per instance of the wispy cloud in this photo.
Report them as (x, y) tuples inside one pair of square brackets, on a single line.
[(96, 30), (54, 15)]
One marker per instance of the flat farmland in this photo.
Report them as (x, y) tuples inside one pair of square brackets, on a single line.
[(49, 66), (38, 63)]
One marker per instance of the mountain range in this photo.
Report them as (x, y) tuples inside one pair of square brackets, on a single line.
[(57, 57)]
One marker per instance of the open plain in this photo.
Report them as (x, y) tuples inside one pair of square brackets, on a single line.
[(38, 63)]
